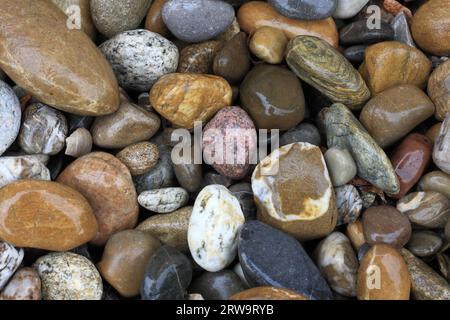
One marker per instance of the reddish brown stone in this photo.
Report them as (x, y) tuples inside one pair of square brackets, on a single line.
[(385, 224), (154, 21), (268, 293), (409, 160), (107, 185)]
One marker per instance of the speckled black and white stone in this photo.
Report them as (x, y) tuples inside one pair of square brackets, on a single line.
[(140, 57), (21, 167), (214, 226), (44, 130), (349, 204), (197, 20), (10, 114), (164, 200), (114, 16), (68, 276), (10, 260)]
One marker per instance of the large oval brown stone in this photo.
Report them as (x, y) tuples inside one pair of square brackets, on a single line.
[(45, 215), (59, 66), (107, 185)]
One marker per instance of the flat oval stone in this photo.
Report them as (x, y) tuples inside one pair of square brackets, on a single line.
[(439, 89), (68, 276), (199, 57), (43, 130), (341, 166), (140, 157), (390, 63), (161, 176), (424, 243), (154, 21), (338, 263), (304, 132), (185, 98), (304, 210), (10, 260), (256, 14), (232, 62), (355, 232), (273, 97), (217, 285), (244, 193), (435, 181), (215, 223), (344, 131), (355, 53), (45, 215), (164, 200), (323, 67), (426, 284), (358, 32), (85, 22), (229, 127), (349, 204), (124, 260), (22, 167), (410, 159), (348, 8), (268, 44), (402, 32), (431, 27), (383, 275), (130, 124), (386, 225), (167, 275), (393, 113), (99, 176), (270, 257), (170, 229), (428, 209), (24, 285), (114, 16), (10, 115), (268, 293), (305, 9), (53, 74), (441, 150), (197, 20), (140, 57)]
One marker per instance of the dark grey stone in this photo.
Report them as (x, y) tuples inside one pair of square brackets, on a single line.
[(402, 33), (167, 275), (355, 53), (197, 20), (359, 33), (304, 132), (217, 285), (270, 257), (244, 193), (305, 9)]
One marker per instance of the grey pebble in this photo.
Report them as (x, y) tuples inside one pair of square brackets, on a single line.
[(10, 114)]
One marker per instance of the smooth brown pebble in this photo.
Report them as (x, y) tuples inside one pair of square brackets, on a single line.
[(154, 21), (268, 44), (355, 232), (436, 181), (139, 157), (439, 89), (424, 243)]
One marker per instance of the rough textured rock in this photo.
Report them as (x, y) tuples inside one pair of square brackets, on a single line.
[(21, 167), (163, 200), (140, 157), (10, 115)]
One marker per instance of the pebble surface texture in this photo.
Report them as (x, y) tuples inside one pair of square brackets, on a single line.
[(323, 67), (68, 276), (59, 80), (140, 57), (24, 285), (215, 223), (10, 115), (114, 16), (197, 20), (163, 200)]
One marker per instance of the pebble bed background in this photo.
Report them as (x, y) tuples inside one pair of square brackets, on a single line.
[(92, 205)]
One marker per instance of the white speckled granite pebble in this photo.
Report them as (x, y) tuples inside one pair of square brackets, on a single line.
[(9, 116), (164, 200), (214, 226), (68, 276), (22, 167), (140, 57), (10, 260)]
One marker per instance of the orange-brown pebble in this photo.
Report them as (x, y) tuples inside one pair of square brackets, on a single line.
[(383, 275), (355, 232), (184, 98), (433, 132), (45, 215), (256, 14), (107, 185), (154, 21), (268, 293), (269, 44)]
